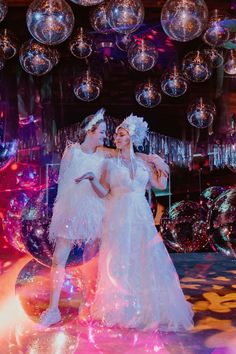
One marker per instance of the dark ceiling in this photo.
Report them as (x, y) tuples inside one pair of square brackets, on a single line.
[(119, 80)]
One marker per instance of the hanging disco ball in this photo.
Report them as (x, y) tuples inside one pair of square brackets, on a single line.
[(216, 57), (209, 195), (222, 223), (99, 20), (81, 45), (147, 94), (216, 34), (230, 62), (36, 58), (201, 114), (8, 44), (184, 227), (36, 218), (142, 54), (87, 2), (197, 67), (184, 20), (3, 10), (125, 16), (50, 21), (173, 83), (87, 87)]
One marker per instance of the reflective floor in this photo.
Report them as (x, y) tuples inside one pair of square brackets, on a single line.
[(208, 281)]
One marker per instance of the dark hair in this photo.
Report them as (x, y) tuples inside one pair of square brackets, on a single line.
[(82, 132)]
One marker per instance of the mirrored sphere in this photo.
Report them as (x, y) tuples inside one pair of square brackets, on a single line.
[(184, 20), (147, 94), (184, 227), (209, 195), (142, 54), (99, 20), (197, 67), (50, 21), (200, 114), (230, 62), (125, 16), (216, 57), (8, 44), (81, 45), (222, 223), (173, 83), (87, 87), (216, 35), (36, 58), (33, 290)]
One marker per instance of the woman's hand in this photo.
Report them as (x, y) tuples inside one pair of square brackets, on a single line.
[(159, 163), (89, 175)]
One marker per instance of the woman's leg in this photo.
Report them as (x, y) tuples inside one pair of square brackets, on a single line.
[(57, 275), (60, 256)]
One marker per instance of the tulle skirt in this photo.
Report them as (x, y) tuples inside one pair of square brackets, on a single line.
[(138, 286), (77, 214)]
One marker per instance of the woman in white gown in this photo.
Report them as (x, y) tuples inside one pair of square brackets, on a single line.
[(77, 212), (138, 286)]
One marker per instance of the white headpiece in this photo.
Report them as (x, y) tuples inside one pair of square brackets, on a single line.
[(136, 127), (99, 115)]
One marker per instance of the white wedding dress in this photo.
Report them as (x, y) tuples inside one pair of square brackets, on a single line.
[(138, 286), (77, 212)]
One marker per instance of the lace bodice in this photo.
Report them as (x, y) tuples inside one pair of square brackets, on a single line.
[(120, 180)]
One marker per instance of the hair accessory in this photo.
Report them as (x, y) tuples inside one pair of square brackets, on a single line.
[(136, 127), (99, 115)]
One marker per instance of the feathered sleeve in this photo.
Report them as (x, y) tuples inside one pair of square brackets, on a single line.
[(65, 164)]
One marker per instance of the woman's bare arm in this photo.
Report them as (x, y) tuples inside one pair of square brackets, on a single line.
[(158, 181), (101, 187)]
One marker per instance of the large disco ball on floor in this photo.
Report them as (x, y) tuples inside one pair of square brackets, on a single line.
[(209, 195), (33, 291), (36, 219), (222, 223), (184, 227)]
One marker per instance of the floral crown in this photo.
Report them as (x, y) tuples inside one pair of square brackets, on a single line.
[(136, 127), (99, 115)]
